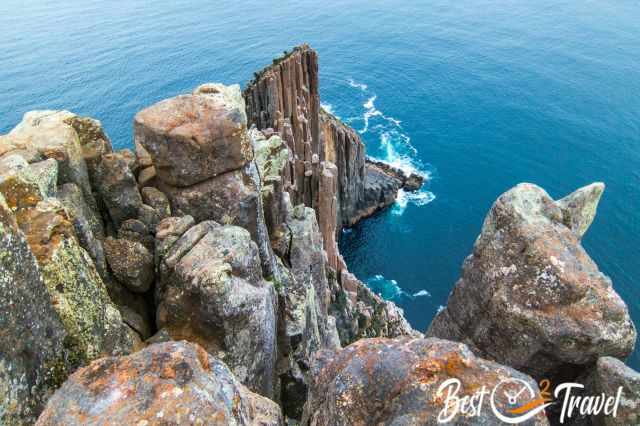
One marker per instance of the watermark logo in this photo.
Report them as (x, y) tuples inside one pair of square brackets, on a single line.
[(514, 401)]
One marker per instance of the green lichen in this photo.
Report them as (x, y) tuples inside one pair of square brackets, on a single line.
[(79, 297)]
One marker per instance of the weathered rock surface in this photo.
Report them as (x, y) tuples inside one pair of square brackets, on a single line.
[(157, 200), (131, 263), (167, 383), (530, 296), (384, 381), (19, 183), (192, 138), (212, 292), (34, 359), (326, 167), (579, 208), (93, 323), (49, 134), (118, 188), (609, 375), (80, 214), (272, 160), (343, 147)]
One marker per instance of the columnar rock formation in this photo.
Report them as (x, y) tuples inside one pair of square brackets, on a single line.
[(193, 236), (326, 170), (530, 296), (204, 267)]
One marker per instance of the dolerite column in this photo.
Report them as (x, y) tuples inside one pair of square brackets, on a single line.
[(327, 211), (203, 159)]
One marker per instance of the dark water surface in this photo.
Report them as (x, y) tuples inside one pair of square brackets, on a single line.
[(480, 94)]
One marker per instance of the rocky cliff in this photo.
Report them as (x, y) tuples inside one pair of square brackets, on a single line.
[(196, 279)]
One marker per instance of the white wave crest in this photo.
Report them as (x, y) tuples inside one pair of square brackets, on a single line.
[(390, 290), (419, 198), (329, 108), (421, 293), (357, 85)]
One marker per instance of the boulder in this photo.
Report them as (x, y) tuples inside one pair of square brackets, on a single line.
[(93, 140), (211, 291), (530, 296), (232, 198), (609, 376), (89, 235), (174, 383), (131, 263), (397, 381), (192, 138), (34, 359), (157, 200), (48, 134), (135, 230), (118, 188), (18, 183)]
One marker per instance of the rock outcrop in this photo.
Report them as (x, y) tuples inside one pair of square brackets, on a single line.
[(397, 381), (192, 138), (326, 170), (609, 377), (57, 314), (530, 296), (211, 291), (167, 383), (224, 236), (33, 358)]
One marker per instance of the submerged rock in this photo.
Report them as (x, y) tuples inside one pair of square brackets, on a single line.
[(167, 383), (530, 296), (396, 381), (192, 138)]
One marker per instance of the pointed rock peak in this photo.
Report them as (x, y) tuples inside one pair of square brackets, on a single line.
[(579, 208)]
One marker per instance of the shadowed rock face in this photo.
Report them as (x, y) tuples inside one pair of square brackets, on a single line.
[(396, 381), (212, 292), (609, 375), (167, 383), (192, 138), (530, 296), (33, 357)]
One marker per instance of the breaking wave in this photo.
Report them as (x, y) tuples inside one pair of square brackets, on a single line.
[(394, 145), (390, 290), (329, 108)]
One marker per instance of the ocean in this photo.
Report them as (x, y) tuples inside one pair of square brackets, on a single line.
[(478, 95)]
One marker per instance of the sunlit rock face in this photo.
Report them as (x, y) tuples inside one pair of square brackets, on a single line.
[(397, 381), (530, 296)]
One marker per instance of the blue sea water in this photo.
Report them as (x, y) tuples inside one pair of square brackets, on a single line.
[(479, 94)]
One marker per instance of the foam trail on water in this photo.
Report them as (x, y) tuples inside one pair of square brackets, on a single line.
[(394, 147), (390, 290), (357, 85)]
